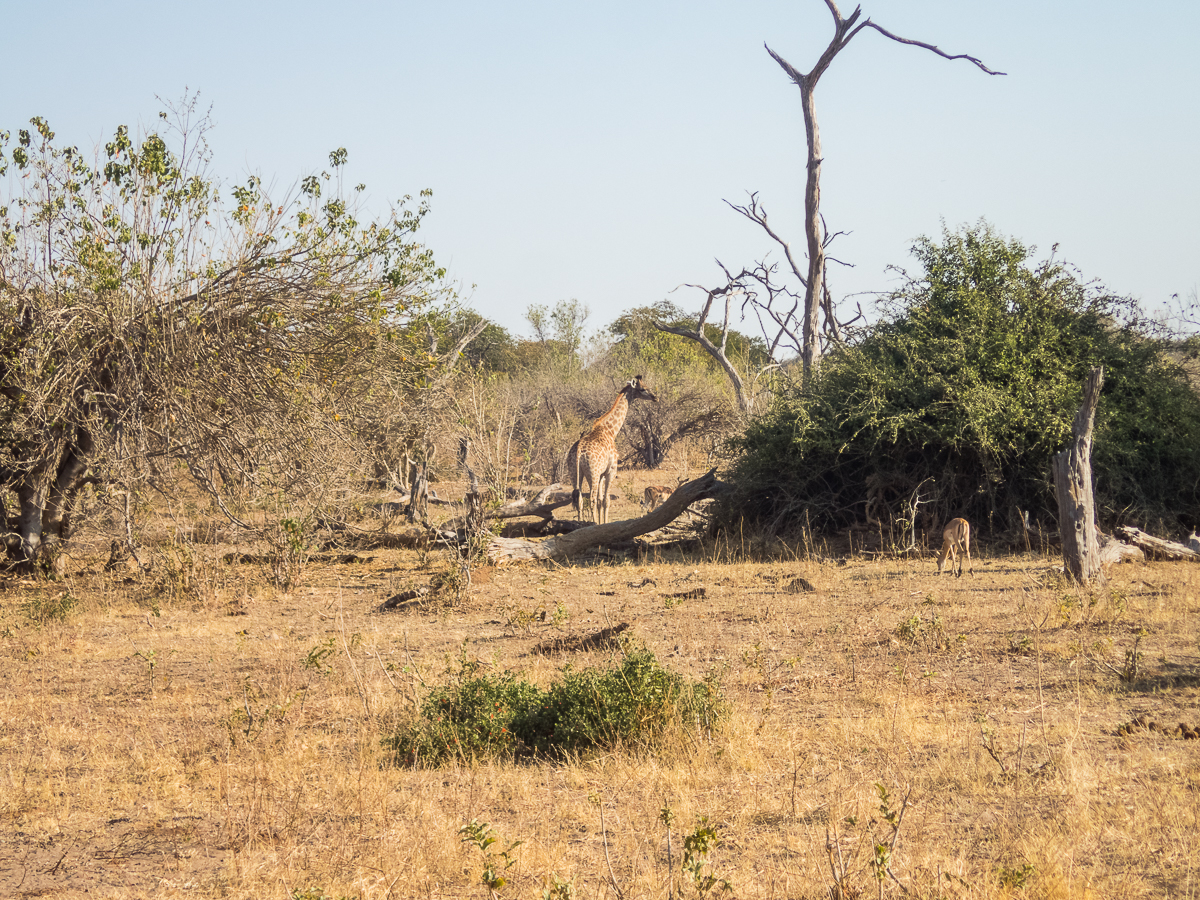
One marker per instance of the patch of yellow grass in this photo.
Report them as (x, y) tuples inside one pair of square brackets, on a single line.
[(193, 753)]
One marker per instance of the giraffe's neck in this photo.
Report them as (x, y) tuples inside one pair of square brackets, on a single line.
[(609, 425)]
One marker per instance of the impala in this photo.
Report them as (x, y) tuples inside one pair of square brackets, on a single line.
[(656, 494), (957, 534)]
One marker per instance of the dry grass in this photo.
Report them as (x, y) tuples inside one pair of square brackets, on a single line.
[(220, 740)]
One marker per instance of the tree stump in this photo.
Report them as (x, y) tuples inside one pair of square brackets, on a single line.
[(1073, 485)]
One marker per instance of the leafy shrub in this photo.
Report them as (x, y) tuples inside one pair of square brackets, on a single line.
[(127, 347), (481, 716), (43, 608), (468, 719), (962, 393), (639, 702)]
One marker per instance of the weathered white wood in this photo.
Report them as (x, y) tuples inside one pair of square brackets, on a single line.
[(845, 28), (1157, 548), (1073, 485), (1115, 551), (542, 505), (506, 550)]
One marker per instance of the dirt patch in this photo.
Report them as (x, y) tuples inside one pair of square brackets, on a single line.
[(118, 857), (154, 744)]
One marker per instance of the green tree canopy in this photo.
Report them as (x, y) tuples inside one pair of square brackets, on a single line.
[(560, 330), (963, 391), (634, 332)]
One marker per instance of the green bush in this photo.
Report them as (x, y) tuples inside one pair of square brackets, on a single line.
[(961, 394), (471, 718), (43, 607), (639, 702), (479, 716)]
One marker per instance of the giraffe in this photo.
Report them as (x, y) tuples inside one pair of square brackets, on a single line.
[(594, 455)]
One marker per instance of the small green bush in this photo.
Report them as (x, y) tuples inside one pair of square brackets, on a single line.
[(481, 716), (43, 608), (635, 703)]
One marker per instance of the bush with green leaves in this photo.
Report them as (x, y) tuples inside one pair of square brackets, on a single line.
[(479, 716), (44, 607), (961, 394)]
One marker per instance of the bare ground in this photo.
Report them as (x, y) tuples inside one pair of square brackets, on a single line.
[(193, 733)]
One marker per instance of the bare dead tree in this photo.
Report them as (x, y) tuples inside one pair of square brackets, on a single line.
[(845, 30), (791, 319), (778, 307), (734, 285), (1073, 486)]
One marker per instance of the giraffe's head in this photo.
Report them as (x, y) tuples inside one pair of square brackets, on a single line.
[(636, 390)]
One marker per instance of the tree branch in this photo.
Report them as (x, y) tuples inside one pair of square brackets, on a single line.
[(758, 214), (929, 47), (733, 284)]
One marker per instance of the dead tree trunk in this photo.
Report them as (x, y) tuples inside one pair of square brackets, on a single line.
[(418, 494), (745, 400), (543, 505), (506, 550), (844, 31), (1073, 485)]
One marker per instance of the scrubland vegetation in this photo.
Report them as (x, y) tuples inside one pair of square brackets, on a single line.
[(224, 739), (214, 401)]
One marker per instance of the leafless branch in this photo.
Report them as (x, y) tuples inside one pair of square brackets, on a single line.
[(816, 297), (929, 47), (734, 284), (757, 213)]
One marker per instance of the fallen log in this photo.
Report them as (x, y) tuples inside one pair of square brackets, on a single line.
[(506, 550), (541, 528), (1157, 548), (605, 637), (1115, 551), (543, 505), (404, 599)]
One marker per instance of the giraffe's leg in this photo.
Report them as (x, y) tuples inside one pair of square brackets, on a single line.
[(579, 496), (607, 480), (600, 499), (599, 493), (573, 468), (612, 473), (586, 479)]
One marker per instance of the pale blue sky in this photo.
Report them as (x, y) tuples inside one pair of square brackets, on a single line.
[(583, 150)]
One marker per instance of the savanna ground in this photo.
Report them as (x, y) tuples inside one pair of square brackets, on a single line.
[(193, 732)]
